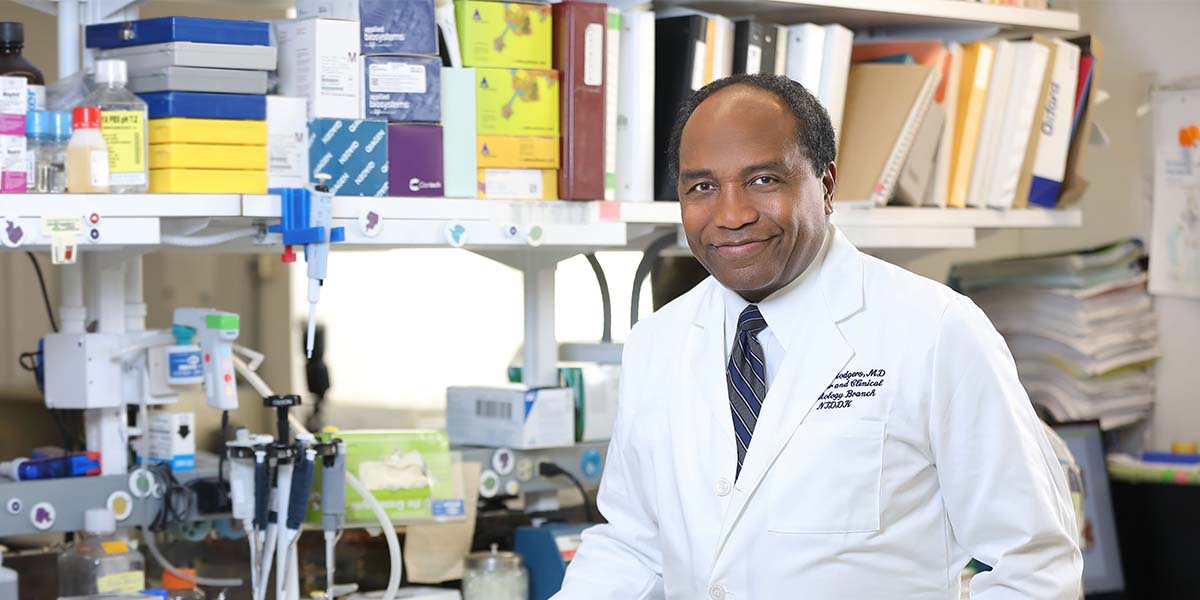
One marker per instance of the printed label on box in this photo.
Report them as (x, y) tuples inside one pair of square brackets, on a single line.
[(512, 183), (397, 78), (337, 77), (448, 508), (185, 365), (593, 54)]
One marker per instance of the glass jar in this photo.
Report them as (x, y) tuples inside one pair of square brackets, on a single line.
[(495, 576)]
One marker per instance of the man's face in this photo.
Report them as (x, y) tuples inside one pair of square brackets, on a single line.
[(753, 210)]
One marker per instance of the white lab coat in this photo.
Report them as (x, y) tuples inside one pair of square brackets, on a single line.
[(886, 498)]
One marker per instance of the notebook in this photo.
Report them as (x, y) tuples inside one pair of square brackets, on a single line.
[(1029, 73), (972, 94)]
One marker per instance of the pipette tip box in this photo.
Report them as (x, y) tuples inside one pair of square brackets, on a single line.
[(177, 29)]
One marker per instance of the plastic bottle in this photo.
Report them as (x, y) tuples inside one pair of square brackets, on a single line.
[(123, 122), (101, 562), (47, 134), (12, 41), (87, 154)]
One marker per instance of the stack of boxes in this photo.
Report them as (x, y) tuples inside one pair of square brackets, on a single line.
[(14, 103), (204, 82), (509, 47)]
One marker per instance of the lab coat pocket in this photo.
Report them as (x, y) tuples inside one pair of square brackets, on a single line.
[(827, 479)]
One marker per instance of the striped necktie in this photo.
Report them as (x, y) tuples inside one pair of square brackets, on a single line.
[(747, 379)]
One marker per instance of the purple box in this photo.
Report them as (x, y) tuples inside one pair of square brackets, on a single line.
[(414, 159)]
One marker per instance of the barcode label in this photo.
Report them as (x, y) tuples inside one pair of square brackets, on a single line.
[(491, 409)]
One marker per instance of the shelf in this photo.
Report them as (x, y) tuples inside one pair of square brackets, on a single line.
[(857, 14)]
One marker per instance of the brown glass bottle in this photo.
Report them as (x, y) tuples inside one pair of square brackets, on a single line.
[(12, 64)]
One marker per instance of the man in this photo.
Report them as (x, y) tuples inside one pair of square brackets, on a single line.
[(811, 422)]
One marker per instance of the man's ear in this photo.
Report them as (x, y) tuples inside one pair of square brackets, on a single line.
[(829, 182)]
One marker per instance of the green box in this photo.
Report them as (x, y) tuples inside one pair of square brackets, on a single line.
[(505, 34), (516, 102), (387, 462)]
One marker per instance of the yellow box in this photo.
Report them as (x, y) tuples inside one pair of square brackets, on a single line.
[(516, 102), (518, 184), (517, 152), (177, 130), (208, 156), (505, 34), (207, 181)]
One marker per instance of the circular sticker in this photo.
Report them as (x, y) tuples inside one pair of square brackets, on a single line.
[(370, 223), (512, 488), (591, 463), (503, 461), (512, 231), (42, 516), (14, 506), (93, 218), (524, 469), (12, 234), (94, 234), (537, 235), (121, 504), (456, 234), (489, 484), (141, 483)]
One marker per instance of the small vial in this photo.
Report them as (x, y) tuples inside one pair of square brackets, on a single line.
[(47, 133)]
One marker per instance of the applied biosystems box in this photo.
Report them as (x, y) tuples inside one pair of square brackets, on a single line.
[(353, 152), (511, 416), (319, 60), (386, 26), (403, 89)]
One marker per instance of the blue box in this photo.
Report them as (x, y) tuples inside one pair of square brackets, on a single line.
[(387, 26), (353, 152), (205, 105), (403, 88), (178, 29)]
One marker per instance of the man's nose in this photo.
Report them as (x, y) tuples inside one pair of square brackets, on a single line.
[(734, 209)]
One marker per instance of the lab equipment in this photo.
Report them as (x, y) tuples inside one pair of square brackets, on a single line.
[(123, 124), (511, 416), (73, 465), (215, 331), (185, 361), (333, 499), (8, 581), (495, 575), (547, 551), (173, 440), (47, 134), (101, 562), (87, 153)]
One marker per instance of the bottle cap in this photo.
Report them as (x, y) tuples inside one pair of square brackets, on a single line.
[(111, 70), (39, 123), (85, 117), (12, 33), (172, 581), (99, 521), (62, 126)]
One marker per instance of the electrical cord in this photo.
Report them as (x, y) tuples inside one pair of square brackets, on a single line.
[(605, 296), (643, 270), (549, 469), (37, 268), (224, 448), (29, 360)]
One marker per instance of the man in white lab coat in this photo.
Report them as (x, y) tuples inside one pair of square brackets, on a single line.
[(811, 422)]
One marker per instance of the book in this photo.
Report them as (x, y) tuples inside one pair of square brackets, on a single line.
[(989, 127), (722, 48), (973, 83), (612, 72), (885, 106), (754, 44), (1073, 182), (835, 69), (1054, 123), (781, 49), (1025, 177), (912, 187), (1029, 73), (579, 35), (680, 47), (636, 109), (806, 55), (940, 186), (894, 59), (931, 53)]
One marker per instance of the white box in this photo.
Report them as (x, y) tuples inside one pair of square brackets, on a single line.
[(287, 142), (319, 61), (511, 417), (80, 372), (173, 439)]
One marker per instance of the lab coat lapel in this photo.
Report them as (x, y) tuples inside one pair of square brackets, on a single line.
[(807, 370), (702, 408)]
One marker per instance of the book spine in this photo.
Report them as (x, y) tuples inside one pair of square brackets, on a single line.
[(579, 35)]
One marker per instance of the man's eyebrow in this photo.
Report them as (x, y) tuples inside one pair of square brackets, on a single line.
[(696, 174), (777, 164)]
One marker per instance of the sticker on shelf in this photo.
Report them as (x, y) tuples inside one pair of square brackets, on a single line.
[(14, 506), (591, 463), (141, 483), (42, 516), (64, 235), (512, 488), (503, 461), (456, 234), (93, 219), (13, 234), (512, 231), (524, 469), (489, 484), (93, 235), (537, 235), (121, 504), (370, 223)]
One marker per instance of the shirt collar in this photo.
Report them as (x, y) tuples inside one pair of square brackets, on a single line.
[(782, 310)]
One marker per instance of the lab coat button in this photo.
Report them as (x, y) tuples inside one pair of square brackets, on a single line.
[(724, 487), (716, 592)]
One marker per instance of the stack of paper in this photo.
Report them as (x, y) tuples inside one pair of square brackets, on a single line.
[(1081, 327)]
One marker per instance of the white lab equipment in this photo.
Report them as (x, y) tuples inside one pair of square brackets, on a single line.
[(215, 332)]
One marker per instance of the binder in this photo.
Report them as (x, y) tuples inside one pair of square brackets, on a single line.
[(781, 49), (805, 56), (178, 29), (200, 105), (1029, 73), (989, 128), (941, 170), (1050, 164), (680, 47), (612, 76), (1073, 183), (835, 69), (720, 32), (1025, 177), (885, 106), (579, 34), (636, 109), (972, 93), (754, 47), (916, 176)]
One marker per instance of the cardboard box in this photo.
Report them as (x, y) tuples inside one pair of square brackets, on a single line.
[(403, 88), (387, 26), (414, 159), (319, 60), (287, 137), (511, 417), (505, 34), (458, 133), (516, 102), (179, 130), (353, 152), (208, 181), (517, 184), (517, 152), (173, 439), (409, 472), (596, 390)]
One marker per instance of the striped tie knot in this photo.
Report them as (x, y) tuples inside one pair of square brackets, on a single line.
[(751, 321)]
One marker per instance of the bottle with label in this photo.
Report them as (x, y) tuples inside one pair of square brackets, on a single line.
[(123, 122), (87, 154), (47, 134), (12, 64), (101, 561)]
